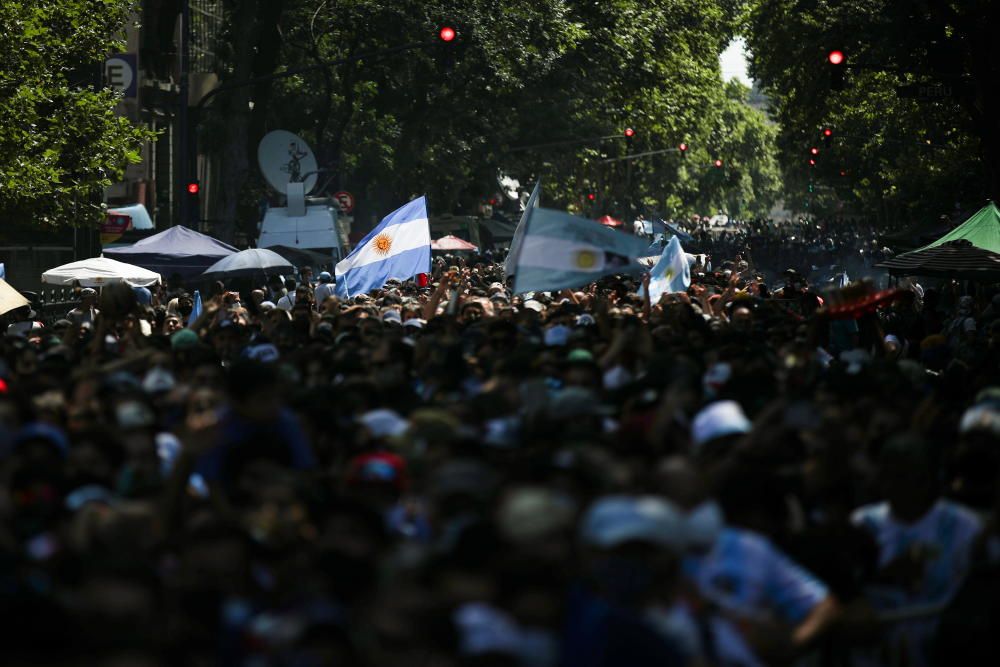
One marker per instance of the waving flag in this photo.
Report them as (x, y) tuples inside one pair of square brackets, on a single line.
[(398, 248), (195, 309), (515, 243), (671, 274), (559, 251)]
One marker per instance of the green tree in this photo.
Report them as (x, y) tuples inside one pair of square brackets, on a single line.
[(749, 182), (61, 142), (891, 157), (522, 73)]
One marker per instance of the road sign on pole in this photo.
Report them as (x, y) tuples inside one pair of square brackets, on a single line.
[(345, 200), (932, 91)]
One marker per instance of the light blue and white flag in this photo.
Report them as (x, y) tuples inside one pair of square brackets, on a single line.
[(515, 242), (195, 309), (398, 248), (561, 251), (3, 271), (672, 273)]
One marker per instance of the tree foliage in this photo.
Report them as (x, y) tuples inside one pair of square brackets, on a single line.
[(447, 119), (60, 140), (894, 157)]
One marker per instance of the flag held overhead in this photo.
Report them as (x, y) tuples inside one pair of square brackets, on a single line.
[(672, 273), (398, 248), (560, 251), (515, 243)]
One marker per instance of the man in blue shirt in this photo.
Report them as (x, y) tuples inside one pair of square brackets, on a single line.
[(255, 426)]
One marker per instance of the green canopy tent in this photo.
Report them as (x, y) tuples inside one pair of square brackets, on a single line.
[(981, 230), (971, 250)]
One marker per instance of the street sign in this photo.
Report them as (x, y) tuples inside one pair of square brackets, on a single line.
[(121, 73), (932, 91), (345, 200)]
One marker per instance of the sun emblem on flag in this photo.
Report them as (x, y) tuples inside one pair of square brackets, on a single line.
[(586, 259), (382, 244)]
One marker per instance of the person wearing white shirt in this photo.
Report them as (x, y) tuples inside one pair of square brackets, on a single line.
[(325, 289), (925, 546)]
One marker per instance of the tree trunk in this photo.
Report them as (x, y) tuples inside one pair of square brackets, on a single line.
[(254, 53)]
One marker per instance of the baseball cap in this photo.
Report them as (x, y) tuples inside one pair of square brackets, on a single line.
[(185, 339), (265, 352), (325, 277), (415, 322), (532, 304), (534, 512), (614, 520), (143, 296), (585, 320), (384, 423), (392, 316), (557, 335), (44, 432), (981, 418), (379, 468), (717, 420), (158, 380)]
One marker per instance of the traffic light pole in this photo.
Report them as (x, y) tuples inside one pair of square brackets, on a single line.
[(567, 142), (636, 156), (183, 128)]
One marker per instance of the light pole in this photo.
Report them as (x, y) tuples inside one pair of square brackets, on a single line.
[(182, 117)]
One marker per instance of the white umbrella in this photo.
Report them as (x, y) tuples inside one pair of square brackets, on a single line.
[(10, 298), (99, 271), (452, 242), (248, 263)]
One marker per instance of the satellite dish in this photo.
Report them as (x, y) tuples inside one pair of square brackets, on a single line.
[(285, 158)]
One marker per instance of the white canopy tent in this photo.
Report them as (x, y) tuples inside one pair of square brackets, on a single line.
[(99, 271)]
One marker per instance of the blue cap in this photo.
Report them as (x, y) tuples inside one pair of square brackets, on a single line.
[(143, 296), (614, 520), (43, 431)]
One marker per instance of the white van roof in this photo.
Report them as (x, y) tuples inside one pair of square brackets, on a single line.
[(316, 229)]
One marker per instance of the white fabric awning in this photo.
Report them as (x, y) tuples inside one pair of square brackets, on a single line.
[(98, 271)]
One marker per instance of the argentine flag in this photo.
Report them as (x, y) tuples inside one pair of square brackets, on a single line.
[(195, 309), (515, 242), (672, 273), (560, 251), (398, 248)]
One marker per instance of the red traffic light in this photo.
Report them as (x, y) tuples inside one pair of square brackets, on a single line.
[(814, 151), (843, 172), (682, 147), (718, 163), (591, 196), (193, 188), (447, 34), (812, 162), (835, 57), (629, 133), (827, 132)]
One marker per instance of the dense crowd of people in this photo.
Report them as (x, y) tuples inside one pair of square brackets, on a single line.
[(802, 244), (454, 475)]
